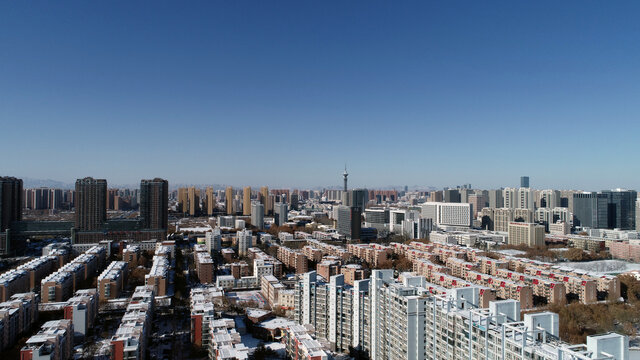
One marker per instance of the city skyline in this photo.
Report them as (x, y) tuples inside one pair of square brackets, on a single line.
[(31, 183), (433, 94)]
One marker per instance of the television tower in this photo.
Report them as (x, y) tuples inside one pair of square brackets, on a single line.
[(345, 175)]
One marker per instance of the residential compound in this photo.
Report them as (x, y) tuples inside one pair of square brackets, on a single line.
[(17, 317), (82, 310), (54, 341), (113, 280), (130, 340), (158, 276), (71, 277), (411, 318)]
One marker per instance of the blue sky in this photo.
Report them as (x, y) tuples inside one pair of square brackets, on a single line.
[(284, 93)]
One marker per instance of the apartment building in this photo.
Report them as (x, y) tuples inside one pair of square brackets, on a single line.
[(60, 285), (202, 302), (294, 259), (373, 254), (158, 276), (131, 255), (328, 249), (82, 310), (265, 259), (203, 263), (333, 308), (270, 288), (54, 341), (353, 273), (312, 253), (130, 340), (300, 344), (529, 234), (239, 269), (499, 218), (226, 342), (409, 318), (17, 316), (327, 268), (57, 287), (26, 277), (113, 280), (624, 250)]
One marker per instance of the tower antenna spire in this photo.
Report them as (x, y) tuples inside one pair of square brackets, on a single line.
[(345, 175)]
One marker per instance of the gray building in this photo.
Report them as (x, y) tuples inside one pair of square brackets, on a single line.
[(91, 207), (524, 181), (10, 201), (282, 212), (590, 209), (452, 196), (154, 203), (496, 200), (621, 209), (356, 197), (349, 221), (257, 215)]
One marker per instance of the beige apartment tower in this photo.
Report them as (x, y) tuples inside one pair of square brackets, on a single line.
[(529, 234), (228, 198), (246, 200)]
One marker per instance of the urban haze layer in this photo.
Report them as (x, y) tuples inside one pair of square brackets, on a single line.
[(241, 273)]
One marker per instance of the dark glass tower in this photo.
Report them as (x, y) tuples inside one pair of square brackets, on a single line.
[(154, 203)]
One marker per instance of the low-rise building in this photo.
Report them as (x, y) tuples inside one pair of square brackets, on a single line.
[(82, 310), (112, 280), (54, 341), (130, 339)]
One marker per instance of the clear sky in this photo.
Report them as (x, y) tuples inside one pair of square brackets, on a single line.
[(284, 93)]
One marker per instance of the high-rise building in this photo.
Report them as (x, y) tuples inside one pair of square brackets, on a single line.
[(451, 214), (452, 196), (193, 201), (91, 207), (246, 200), (154, 203), (245, 241), (529, 234), (264, 199), (550, 199), (495, 199), (228, 198), (294, 202), (10, 201), (436, 196), (521, 198), (349, 221), (591, 209), (183, 200), (356, 197), (524, 181), (621, 209), (281, 213), (257, 215), (478, 202), (210, 200)]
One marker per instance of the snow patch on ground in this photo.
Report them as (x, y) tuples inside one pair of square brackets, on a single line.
[(602, 267), (511, 252)]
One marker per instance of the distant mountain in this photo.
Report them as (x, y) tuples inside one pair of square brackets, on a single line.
[(29, 183)]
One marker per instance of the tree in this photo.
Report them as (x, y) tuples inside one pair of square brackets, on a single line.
[(262, 352), (575, 254)]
